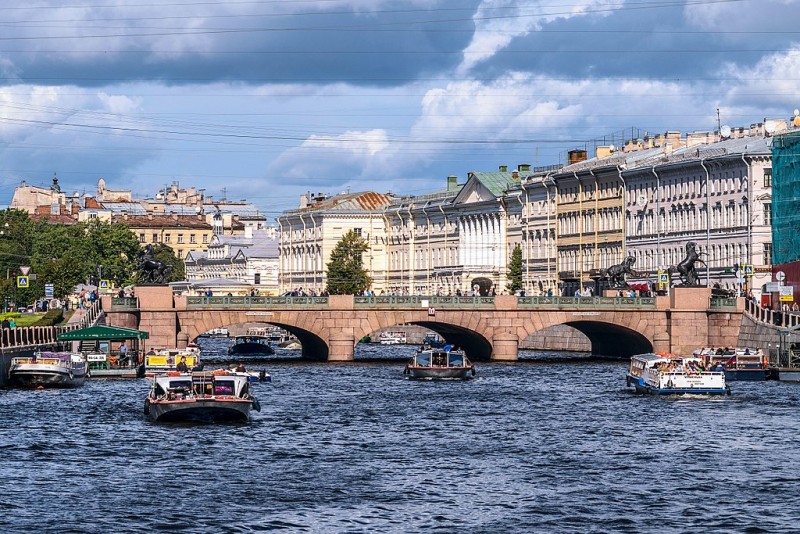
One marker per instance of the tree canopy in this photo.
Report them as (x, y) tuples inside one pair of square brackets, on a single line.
[(345, 270), (67, 255), (515, 270)]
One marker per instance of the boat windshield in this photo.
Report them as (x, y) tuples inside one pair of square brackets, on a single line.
[(456, 360), (223, 387), (424, 359)]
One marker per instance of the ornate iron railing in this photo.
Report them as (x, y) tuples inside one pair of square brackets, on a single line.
[(587, 302), (253, 302), (719, 303), (416, 301)]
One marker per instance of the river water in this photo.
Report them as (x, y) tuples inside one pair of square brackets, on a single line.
[(544, 445)]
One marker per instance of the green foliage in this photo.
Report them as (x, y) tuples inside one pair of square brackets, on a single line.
[(346, 273), (51, 318), (515, 270), (66, 255)]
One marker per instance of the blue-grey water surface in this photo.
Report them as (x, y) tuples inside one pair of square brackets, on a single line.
[(537, 446)]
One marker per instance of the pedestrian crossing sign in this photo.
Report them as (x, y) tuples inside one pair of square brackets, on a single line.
[(748, 269), (104, 285), (22, 281), (663, 278)]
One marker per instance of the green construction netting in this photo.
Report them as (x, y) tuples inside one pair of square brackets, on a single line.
[(786, 198)]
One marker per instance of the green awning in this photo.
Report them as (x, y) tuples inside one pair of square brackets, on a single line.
[(103, 332)]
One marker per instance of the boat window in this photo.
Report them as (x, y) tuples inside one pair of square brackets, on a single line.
[(424, 359), (456, 360), (439, 359), (185, 384), (223, 387)]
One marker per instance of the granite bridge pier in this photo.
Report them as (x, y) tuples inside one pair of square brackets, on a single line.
[(488, 328)]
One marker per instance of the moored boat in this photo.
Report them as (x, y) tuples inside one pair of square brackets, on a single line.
[(167, 360), (251, 344), (668, 374), (738, 363), (215, 333), (392, 337), (440, 364), (49, 369), (206, 397)]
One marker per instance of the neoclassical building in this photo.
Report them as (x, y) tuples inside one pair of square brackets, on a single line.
[(646, 199), (309, 234)]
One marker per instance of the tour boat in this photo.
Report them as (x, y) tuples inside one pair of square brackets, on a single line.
[(440, 364), (668, 374), (167, 360), (215, 332), (49, 369), (737, 363), (251, 344), (102, 365), (392, 337), (205, 397)]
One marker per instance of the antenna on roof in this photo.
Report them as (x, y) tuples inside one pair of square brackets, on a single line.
[(719, 124), (725, 131)]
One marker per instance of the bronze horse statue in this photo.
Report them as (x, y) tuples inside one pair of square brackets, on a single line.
[(686, 268), (150, 269), (616, 273)]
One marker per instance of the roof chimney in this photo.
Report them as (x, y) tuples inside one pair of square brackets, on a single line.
[(452, 183), (503, 168), (524, 167), (576, 156)]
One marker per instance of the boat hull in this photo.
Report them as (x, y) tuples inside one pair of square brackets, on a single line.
[(251, 348), (641, 386), (752, 375), (199, 411), (47, 376), (444, 373)]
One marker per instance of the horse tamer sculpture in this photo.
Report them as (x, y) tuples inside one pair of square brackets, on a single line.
[(150, 269)]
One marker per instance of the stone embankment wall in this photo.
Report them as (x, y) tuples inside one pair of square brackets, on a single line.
[(761, 335)]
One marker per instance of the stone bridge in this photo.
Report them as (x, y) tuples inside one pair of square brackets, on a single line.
[(486, 327)]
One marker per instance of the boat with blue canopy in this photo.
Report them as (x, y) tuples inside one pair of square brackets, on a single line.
[(445, 363)]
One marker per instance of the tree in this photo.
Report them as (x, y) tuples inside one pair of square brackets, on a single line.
[(515, 270), (346, 274), (114, 247)]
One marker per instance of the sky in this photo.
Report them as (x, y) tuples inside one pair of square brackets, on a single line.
[(266, 100)]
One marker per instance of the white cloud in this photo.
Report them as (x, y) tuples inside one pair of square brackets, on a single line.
[(499, 22)]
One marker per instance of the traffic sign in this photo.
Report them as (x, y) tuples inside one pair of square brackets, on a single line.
[(49, 291), (780, 276), (104, 285), (663, 278), (22, 281), (748, 269), (24, 269)]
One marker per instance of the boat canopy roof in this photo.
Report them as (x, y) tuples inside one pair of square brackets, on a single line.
[(103, 332)]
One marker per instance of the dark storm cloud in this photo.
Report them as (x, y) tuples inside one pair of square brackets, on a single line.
[(391, 46), (645, 43)]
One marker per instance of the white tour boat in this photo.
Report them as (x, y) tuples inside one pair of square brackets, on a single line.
[(206, 397), (49, 369), (392, 337), (440, 364), (668, 374)]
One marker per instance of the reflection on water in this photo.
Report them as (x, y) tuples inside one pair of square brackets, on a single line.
[(546, 446)]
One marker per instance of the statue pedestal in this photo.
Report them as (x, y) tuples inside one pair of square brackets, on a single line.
[(696, 298), (154, 297)]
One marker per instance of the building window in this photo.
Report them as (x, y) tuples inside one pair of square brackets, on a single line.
[(257, 278), (768, 177), (192, 238), (205, 238), (180, 238), (167, 238), (768, 213), (767, 253), (155, 238), (357, 231), (141, 238)]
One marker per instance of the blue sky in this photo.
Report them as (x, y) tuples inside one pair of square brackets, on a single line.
[(267, 99)]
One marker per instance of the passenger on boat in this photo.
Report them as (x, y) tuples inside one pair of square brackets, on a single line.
[(123, 354), (182, 367), (241, 368), (151, 352)]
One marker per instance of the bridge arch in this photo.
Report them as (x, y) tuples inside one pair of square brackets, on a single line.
[(609, 339)]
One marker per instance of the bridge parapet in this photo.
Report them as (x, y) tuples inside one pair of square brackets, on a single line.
[(254, 302), (635, 303), (417, 301)]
